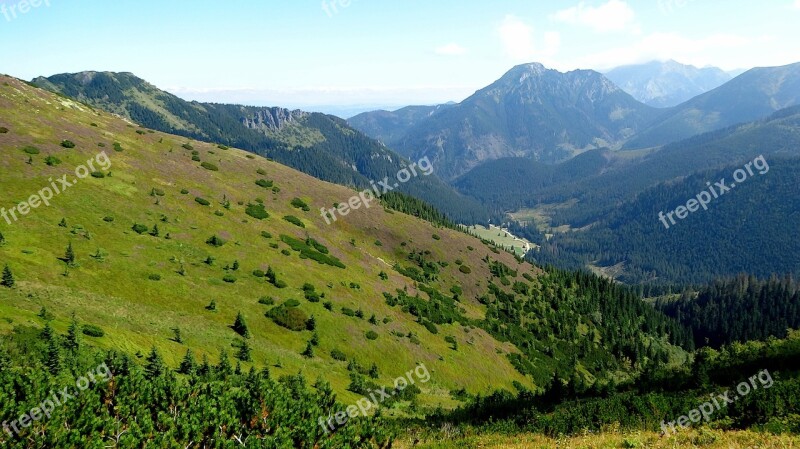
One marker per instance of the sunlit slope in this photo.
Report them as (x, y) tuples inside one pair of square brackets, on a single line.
[(153, 181)]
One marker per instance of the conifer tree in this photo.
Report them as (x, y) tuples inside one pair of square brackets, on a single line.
[(53, 361), (155, 366), (2, 239), (240, 326), (224, 368), (71, 341), (155, 232), (205, 367), (309, 351), (311, 323), (69, 255), (244, 353), (188, 364), (8, 278)]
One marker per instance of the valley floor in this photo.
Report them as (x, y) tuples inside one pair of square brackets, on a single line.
[(702, 438)]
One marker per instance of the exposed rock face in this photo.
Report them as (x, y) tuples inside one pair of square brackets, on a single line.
[(270, 119)]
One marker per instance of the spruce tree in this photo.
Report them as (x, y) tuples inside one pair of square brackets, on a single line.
[(311, 323), (244, 353), (71, 341), (240, 326), (47, 333), (309, 352), (63, 223), (155, 232), (53, 361), (69, 255), (188, 365), (8, 278), (235, 266), (2, 239), (224, 368), (373, 371), (205, 367), (271, 277), (155, 364)]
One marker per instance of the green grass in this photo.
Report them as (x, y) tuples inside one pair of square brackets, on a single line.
[(115, 292)]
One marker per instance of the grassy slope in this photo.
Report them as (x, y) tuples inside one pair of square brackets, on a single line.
[(138, 313)]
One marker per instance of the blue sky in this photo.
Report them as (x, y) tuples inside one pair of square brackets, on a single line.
[(299, 53)]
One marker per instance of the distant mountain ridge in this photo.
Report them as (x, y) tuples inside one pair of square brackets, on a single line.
[(532, 112), (321, 145), (752, 95), (390, 126), (666, 84)]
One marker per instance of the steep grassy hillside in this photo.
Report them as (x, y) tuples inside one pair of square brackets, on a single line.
[(245, 234)]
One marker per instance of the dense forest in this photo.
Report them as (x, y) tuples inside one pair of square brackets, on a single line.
[(716, 313)]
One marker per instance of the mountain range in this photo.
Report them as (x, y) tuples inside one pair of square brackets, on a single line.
[(668, 83)]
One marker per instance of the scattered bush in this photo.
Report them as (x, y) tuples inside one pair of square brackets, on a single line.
[(140, 228), (266, 235), (266, 300), (294, 220), (261, 171), (98, 174), (348, 312), (93, 331), (280, 283), (215, 241), (229, 278), (117, 147), (108, 219), (465, 269), (372, 335), (52, 161), (140, 132), (30, 149), (291, 318), (259, 273), (3, 130), (196, 158), (338, 355), (202, 201), (264, 183), (154, 277), (300, 204), (188, 146), (209, 166), (67, 144), (436, 237), (257, 211)]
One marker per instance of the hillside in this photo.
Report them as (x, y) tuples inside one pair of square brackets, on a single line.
[(390, 126), (752, 95), (168, 227), (664, 84), (321, 145), (530, 112)]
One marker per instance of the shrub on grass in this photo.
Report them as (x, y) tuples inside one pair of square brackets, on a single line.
[(93, 331), (98, 174), (259, 273), (261, 171), (464, 269), (30, 149), (294, 220), (215, 241), (280, 283), (108, 219), (257, 211), (3, 130), (348, 312), (264, 183), (300, 204), (266, 235), (209, 166), (338, 355), (291, 318), (188, 146), (202, 201), (52, 161), (229, 278), (117, 147), (67, 144), (292, 303), (266, 300), (196, 158), (140, 228), (154, 277), (372, 335)]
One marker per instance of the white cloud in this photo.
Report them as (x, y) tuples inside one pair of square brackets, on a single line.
[(796, 4), (519, 41), (615, 15), (451, 49)]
